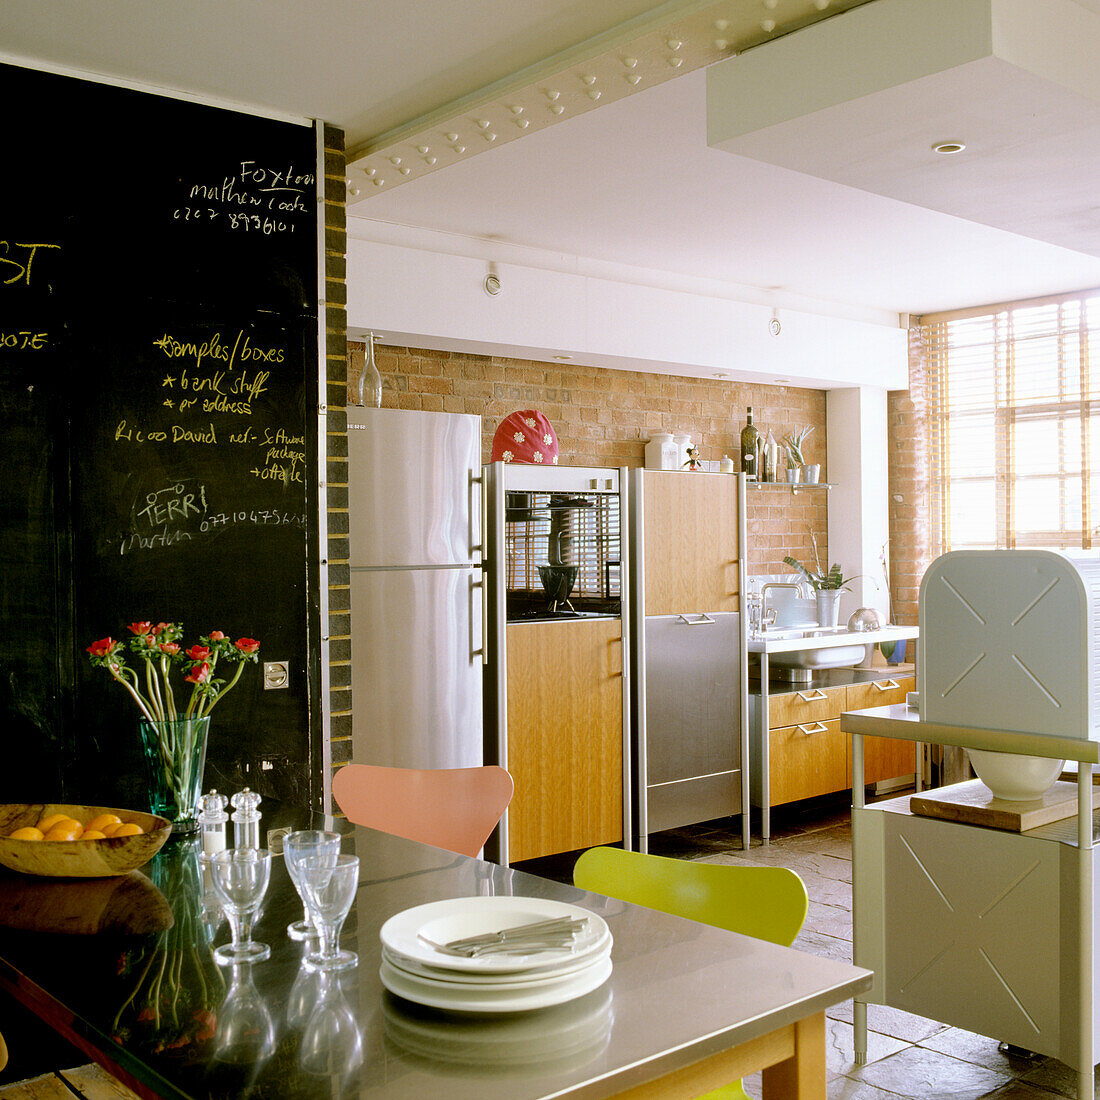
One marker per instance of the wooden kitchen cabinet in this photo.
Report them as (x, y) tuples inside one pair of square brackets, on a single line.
[(809, 756), (565, 736), (884, 757), (691, 546), (807, 759)]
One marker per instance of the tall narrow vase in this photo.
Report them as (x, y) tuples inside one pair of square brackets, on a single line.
[(175, 753)]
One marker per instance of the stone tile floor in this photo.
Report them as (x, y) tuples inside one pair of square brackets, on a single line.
[(908, 1056)]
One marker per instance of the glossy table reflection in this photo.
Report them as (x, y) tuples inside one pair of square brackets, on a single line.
[(687, 1008)]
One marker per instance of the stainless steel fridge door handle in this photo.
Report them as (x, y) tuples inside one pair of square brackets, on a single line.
[(475, 649), (476, 508), (884, 685), (817, 727), (811, 696), (703, 620)]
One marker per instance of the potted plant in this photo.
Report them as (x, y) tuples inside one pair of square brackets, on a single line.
[(792, 443), (827, 585)]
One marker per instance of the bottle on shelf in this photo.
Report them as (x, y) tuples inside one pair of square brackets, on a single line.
[(750, 447), (771, 457)]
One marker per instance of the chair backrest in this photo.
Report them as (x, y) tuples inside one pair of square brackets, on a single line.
[(768, 903), (452, 808)]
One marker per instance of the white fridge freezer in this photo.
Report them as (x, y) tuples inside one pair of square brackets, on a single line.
[(417, 633)]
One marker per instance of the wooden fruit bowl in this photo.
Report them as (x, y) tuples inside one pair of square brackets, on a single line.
[(78, 858)]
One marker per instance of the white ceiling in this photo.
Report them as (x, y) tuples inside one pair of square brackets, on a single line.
[(632, 183)]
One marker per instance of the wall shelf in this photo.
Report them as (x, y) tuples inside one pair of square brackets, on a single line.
[(795, 487)]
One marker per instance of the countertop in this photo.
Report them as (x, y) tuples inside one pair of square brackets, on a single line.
[(787, 640), (829, 677)]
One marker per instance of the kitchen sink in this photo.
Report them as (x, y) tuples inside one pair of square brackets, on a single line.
[(843, 656)]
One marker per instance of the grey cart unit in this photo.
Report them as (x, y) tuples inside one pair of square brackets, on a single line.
[(988, 930)]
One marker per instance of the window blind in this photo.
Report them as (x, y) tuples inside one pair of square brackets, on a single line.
[(1014, 408)]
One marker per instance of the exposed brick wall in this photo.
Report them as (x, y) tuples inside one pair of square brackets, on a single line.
[(604, 418), (910, 530), (337, 629)]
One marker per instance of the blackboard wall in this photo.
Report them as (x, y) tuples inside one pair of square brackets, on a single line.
[(158, 388)]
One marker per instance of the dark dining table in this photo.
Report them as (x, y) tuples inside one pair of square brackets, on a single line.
[(124, 968)]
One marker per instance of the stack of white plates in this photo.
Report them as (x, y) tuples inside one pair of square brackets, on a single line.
[(494, 982)]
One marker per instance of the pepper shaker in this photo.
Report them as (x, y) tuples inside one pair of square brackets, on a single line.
[(246, 819)]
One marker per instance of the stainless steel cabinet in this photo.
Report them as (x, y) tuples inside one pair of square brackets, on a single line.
[(693, 692)]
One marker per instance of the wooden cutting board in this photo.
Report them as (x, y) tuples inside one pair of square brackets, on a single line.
[(971, 803)]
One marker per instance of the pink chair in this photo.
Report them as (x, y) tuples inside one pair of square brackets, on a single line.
[(452, 808)]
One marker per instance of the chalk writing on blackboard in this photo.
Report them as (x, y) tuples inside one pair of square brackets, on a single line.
[(179, 512), (252, 198), (24, 340), (17, 260)]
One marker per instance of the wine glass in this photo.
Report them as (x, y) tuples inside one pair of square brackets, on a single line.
[(296, 846), (329, 888), (332, 1044), (246, 1030), (240, 877)]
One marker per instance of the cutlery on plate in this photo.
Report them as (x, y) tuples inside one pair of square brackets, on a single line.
[(558, 932)]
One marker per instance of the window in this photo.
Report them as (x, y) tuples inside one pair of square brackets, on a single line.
[(1014, 411)]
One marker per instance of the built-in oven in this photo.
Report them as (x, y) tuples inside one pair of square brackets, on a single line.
[(560, 544)]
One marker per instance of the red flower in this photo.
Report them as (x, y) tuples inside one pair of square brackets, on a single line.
[(150, 640), (160, 628), (103, 648), (171, 648), (248, 645), (198, 652), (140, 628), (199, 673), (216, 635)]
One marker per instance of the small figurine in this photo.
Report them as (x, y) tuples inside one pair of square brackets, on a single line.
[(693, 462)]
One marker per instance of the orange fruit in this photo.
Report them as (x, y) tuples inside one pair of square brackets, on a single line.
[(109, 829), (64, 830), (28, 832), (130, 828), (93, 834), (100, 820), (48, 821)]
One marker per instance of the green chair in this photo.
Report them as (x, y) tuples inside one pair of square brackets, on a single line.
[(767, 903)]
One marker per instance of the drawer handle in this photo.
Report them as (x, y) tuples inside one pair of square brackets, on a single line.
[(817, 727), (701, 621), (811, 696), (885, 685)]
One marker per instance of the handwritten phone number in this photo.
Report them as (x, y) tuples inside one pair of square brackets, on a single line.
[(248, 223), (262, 517)]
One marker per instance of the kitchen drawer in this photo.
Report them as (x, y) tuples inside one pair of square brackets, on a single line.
[(807, 759), (811, 705), (883, 692), (884, 757)]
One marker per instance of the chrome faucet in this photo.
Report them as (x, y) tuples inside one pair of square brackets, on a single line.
[(765, 620)]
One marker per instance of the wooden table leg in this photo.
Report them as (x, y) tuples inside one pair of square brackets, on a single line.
[(802, 1076)]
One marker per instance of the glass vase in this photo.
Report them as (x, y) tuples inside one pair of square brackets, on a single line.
[(370, 381), (175, 752)]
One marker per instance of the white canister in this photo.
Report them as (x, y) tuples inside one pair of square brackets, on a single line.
[(683, 442), (661, 452)]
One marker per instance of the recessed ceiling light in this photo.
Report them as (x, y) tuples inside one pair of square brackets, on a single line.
[(947, 148), (720, 374), (563, 358), (782, 381)]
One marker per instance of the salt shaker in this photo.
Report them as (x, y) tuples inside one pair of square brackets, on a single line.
[(212, 818), (246, 819)]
